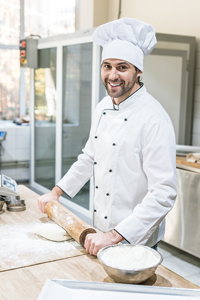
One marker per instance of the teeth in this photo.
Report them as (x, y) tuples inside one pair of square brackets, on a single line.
[(115, 84)]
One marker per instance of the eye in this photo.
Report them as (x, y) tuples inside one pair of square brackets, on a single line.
[(123, 67), (106, 66)]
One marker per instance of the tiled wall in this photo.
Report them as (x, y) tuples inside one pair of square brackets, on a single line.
[(196, 111)]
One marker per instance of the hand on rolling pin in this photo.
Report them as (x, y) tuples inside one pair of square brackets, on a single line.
[(53, 195), (95, 241)]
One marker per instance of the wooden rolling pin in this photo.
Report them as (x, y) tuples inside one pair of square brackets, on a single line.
[(77, 228)]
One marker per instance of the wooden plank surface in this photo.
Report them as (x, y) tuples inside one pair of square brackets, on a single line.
[(175, 280), (19, 246), (182, 161), (26, 282)]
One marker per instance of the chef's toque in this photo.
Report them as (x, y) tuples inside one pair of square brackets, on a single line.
[(126, 39)]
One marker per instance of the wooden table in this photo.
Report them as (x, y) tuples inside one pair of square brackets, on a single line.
[(27, 282), (181, 160)]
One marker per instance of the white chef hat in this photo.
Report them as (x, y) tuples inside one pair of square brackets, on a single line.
[(127, 39)]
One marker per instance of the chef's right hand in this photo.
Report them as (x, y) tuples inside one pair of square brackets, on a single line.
[(53, 195)]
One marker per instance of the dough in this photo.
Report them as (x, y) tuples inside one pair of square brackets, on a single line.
[(52, 232)]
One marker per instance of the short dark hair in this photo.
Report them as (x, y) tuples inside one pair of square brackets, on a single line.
[(139, 79)]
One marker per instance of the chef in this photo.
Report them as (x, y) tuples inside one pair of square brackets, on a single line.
[(131, 146)]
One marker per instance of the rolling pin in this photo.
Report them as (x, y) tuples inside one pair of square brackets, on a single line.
[(77, 228)]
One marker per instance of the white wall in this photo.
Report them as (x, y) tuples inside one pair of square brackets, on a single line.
[(91, 13), (171, 16), (100, 12), (180, 17), (85, 11)]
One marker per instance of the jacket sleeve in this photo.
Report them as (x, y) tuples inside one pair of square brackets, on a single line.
[(159, 165)]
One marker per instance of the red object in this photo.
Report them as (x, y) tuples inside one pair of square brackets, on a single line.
[(24, 44), (22, 53)]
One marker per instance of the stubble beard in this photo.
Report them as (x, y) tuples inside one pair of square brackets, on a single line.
[(125, 88)]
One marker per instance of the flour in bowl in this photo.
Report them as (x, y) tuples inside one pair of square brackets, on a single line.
[(129, 258)]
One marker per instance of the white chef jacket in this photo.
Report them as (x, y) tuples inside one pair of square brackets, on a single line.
[(131, 152)]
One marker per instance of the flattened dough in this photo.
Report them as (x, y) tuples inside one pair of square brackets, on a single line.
[(52, 232)]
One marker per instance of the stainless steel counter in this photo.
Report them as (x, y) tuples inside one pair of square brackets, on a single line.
[(183, 222)]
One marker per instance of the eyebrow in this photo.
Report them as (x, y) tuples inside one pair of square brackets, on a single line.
[(121, 63)]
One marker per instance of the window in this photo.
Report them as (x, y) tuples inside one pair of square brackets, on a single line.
[(41, 17), (45, 118), (9, 62), (9, 84), (77, 94), (9, 22), (49, 17)]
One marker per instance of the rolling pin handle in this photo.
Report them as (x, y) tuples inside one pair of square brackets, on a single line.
[(83, 235)]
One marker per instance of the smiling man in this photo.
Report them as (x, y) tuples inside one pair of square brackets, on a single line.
[(120, 79), (131, 148)]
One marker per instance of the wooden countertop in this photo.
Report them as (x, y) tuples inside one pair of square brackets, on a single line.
[(26, 282), (181, 160)]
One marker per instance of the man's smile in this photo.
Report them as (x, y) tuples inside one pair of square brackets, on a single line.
[(115, 84)]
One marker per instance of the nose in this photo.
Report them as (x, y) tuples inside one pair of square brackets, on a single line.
[(113, 74)]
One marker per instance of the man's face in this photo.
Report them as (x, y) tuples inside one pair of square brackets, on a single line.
[(119, 78)]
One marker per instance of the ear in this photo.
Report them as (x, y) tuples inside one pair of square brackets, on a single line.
[(139, 73)]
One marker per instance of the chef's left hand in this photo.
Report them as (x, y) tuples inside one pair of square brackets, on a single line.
[(95, 241)]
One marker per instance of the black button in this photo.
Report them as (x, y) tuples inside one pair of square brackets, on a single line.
[(96, 187), (95, 137), (104, 113), (107, 194), (110, 170), (95, 163), (95, 210), (114, 144), (125, 119), (105, 217)]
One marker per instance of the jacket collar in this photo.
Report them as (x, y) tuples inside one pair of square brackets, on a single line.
[(130, 100)]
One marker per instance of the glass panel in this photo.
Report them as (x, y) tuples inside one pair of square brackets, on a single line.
[(49, 17), (9, 84), (45, 118), (9, 22), (77, 88)]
